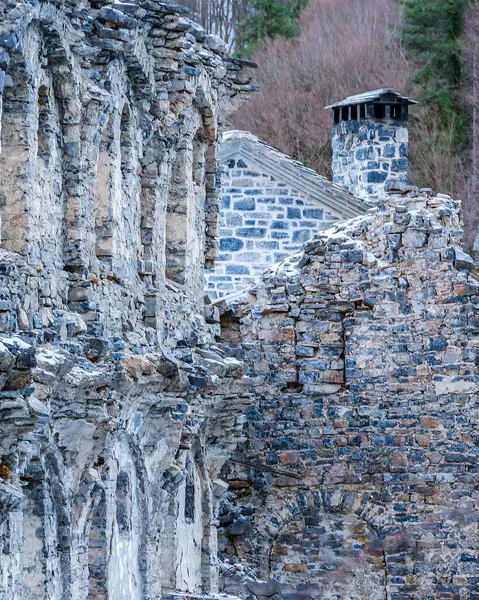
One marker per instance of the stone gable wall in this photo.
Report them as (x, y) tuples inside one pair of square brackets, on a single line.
[(359, 477), (263, 220)]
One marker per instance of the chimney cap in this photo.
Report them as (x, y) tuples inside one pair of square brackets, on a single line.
[(382, 96)]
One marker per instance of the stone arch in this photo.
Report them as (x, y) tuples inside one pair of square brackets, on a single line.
[(324, 544), (45, 551), (64, 135), (183, 530), (125, 578), (116, 203), (329, 555)]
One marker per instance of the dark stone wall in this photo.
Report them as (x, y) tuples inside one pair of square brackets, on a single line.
[(359, 478)]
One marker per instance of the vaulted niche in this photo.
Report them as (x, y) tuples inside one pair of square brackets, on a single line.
[(44, 130), (103, 199), (177, 221), (199, 159)]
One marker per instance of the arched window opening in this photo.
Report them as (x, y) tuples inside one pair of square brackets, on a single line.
[(177, 222), (44, 131), (103, 199), (199, 159)]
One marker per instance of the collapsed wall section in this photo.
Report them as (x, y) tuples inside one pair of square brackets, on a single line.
[(359, 477)]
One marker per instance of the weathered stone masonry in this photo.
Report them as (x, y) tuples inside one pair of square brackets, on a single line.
[(271, 205), (360, 475), (117, 408), (370, 142)]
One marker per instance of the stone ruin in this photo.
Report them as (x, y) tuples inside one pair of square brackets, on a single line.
[(118, 407), (359, 479), (350, 371)]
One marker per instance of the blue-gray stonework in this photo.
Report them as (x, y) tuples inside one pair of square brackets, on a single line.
[(359, 477), (263, 220), (368, 155)]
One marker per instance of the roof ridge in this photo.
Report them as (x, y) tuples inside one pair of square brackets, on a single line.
[(303, 178)]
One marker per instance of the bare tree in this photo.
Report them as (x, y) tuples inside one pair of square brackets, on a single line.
[(221, 17), (344, 48)]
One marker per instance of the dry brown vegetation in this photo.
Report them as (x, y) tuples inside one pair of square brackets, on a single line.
[(345, 47), (348, 47)]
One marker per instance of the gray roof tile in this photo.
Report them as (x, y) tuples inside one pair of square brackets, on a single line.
[(382, 95), (285, 168)]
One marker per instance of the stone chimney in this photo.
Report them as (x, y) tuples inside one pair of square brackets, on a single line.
[(370, 143)]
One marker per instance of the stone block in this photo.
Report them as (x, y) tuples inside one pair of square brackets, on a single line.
[(231, 244), (246, 204)]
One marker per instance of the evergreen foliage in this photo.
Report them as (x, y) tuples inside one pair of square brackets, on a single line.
[(433, 35), (268, 19)]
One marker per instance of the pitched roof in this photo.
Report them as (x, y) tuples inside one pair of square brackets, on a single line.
[(288, 170), (385, 95)]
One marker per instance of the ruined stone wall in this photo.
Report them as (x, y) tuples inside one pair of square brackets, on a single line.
[(117, 409), (359, 479)]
